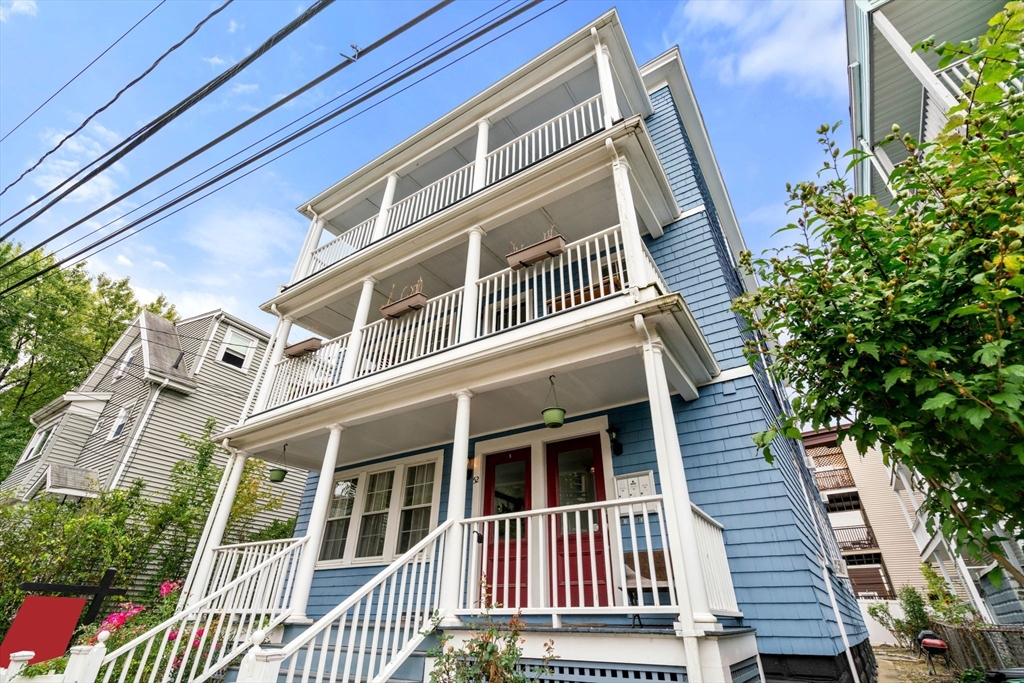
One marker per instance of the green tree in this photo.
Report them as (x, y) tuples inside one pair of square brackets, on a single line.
[(903, 321)]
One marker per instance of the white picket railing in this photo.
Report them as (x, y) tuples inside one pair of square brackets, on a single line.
[(714, 563), (655, 272), (954, 75), (610, 557), (430, 199), (370, 634), (388, 342), (309, 373), (544, 140), (588, 270), (197, 643), (348, 242), (231, 561)]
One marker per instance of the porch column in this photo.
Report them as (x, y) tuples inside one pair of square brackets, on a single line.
[(380, 228), (467, 329), (448, 599), (636, 263), (355, 339), (220, 514), (316, 230), (606, 81), (917, 66), (315, 530), (483, 128), (686, 551), (284, 328)]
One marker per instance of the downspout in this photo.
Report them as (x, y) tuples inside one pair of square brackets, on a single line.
[(137, 436)]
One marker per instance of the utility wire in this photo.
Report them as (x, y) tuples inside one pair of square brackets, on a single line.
[(160, 122), (117, 95), (280, 103), (257, 142), (75, 77), (327, 117)]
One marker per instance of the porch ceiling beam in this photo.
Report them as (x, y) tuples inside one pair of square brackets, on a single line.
[(678, 378)]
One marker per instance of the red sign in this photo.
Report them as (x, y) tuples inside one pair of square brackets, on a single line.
[(42, 625)]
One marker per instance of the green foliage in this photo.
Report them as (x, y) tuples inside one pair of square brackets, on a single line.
[(945, 605), (971, 676), (492, 654), (53, 332), (915, 616), (905, 321)]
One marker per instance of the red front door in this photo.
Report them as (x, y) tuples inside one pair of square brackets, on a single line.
[(575, 477), (506, 491)]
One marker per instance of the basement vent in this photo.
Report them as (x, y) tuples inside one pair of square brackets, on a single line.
[(563, 671), (745, 671)]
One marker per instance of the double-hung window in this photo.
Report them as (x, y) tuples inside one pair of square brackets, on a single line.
[(339, 518), (237, 349)]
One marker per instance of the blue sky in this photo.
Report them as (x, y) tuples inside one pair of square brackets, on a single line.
[(766, 74)]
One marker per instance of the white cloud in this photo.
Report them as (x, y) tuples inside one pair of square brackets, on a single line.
[(244, 88), (799, 44), (214, 61), (234, 26), (159, 264), (11, 8), (123, 260)]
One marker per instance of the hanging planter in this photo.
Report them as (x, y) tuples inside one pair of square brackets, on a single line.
[(554, 415), (277, 474), (553, 244), (414, 301)]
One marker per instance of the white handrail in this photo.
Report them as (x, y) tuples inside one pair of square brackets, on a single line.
[(656, 275), (315, 371), (348, 242), (714, 563), (204, 638), (377, 627), (431, 199)]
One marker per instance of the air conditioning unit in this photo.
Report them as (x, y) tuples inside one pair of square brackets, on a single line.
[(824, 496), (841, 569), (809, 462)]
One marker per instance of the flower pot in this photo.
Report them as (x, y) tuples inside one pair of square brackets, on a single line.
[(553, 417), (397, 309), (276, 475), (527, 256)]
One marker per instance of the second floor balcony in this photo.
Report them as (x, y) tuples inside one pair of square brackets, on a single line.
[(831, 480), (856, 538)]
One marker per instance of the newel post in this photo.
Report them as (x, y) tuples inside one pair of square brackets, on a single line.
[(85, 661), (19, 660)]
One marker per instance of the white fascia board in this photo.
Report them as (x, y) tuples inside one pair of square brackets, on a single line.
[(465, 116), (668, 68), (236, 321)]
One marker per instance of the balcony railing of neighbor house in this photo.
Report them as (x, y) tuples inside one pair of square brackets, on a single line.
[(581, 121), (431, 199), (195, 644), (309, 373), (348, 242), (714, 563), (834, 479), (588, 270), (856, 538), (373, 631), (607, 557)]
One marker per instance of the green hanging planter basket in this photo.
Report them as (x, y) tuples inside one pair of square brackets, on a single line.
[(553, 417), (276, 475)]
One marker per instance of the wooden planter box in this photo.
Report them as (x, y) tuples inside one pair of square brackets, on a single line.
[(397, 309), (303, 347), (527, 256)]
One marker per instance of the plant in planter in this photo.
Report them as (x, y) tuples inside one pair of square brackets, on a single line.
[(551, 244), (413, 301), (553, 414)]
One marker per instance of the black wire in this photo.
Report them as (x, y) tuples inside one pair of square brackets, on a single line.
[(118, 94), (250, 146), (140, 136), (75, 77), (327, 117)]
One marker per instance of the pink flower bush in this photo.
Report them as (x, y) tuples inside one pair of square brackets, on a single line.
[(115, 620), (168, 587)]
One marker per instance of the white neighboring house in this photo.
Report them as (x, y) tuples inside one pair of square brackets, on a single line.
[(159, 380)]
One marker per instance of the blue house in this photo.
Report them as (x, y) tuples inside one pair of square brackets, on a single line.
[(526, 394)]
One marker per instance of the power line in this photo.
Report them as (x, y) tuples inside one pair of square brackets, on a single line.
[(327, 117), (117, 95), (75, 77), (119, 151)]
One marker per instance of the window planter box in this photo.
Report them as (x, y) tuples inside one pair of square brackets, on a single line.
[(303, 347), (527, 256), (397, 309)]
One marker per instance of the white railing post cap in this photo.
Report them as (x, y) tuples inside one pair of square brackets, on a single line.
[(258, 637), (22, 656)]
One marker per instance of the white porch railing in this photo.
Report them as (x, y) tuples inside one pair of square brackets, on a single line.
[(433, 328), (569, 128), (589, 269), (370, 634), (315, 371), (348, 242), (655, 272), (431, 199), (954, 76), (195, 644), (715, 564), (610, 557)]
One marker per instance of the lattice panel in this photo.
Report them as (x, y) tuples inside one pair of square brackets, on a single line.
[(827, 456), (562, 671)]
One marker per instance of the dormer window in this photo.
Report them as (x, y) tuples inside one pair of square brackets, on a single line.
[(237, 350), (38, 444), (126, 363)]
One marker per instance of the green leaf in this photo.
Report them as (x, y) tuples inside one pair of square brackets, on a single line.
[(900, 374), (940, 400), (977, 416), (870, 348), (989, 93)]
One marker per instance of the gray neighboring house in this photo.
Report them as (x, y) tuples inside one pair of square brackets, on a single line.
[(160, 380)]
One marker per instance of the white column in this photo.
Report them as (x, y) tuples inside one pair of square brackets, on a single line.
[(470, 292), (483, 128), (636, 264), (276, 354), (449, 595), (315, 529), (236, 464), (380, 228), (917, 66), (606, 81), (316, 231), (355, 339)]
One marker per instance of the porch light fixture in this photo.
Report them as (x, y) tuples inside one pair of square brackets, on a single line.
[(554, 416), (613, 438), (276, 474)]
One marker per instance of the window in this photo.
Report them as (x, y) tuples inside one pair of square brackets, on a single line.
[(237, 349), (37, 444), (126, 363), (374, 528), (419, 489), (338, 519), (117, 429)]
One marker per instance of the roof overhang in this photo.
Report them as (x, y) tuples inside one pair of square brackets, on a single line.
[(87, 403)]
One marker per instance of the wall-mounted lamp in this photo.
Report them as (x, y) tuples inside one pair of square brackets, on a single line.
[(469, 467), (613, 437)]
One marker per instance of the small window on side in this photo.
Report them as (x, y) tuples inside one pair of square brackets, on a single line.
[(117, 429), (236, 350), (126, 363), (37, 445)]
